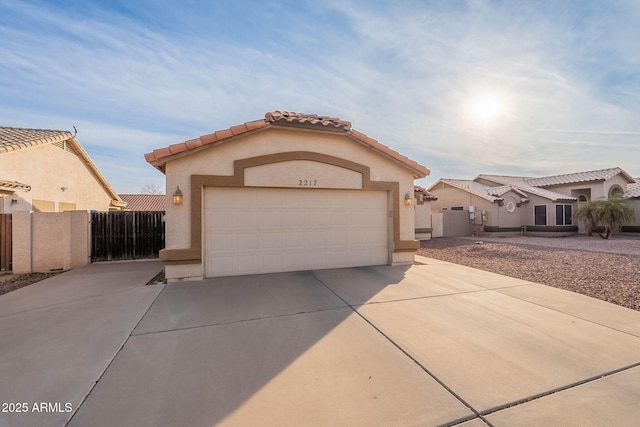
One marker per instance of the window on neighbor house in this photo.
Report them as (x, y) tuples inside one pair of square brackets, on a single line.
[(67, 206), (616, 191), (43, 205), (540, 214), (563, 214)]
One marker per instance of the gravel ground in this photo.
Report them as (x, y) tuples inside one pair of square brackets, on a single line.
[(605, 269), (11, 282)]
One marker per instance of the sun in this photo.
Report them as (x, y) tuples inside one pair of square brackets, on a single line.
[(486, 108)]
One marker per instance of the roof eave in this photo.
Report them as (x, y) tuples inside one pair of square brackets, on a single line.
[(159, 157), (116, 201)]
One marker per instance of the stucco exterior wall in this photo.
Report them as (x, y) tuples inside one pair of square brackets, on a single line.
[(47, 169), (635, 203), (43, 242), (598, 189), (422, 219), (219, 160)]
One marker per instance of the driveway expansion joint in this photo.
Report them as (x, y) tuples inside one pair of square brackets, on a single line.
[(569, 314), (87, 298), (93, 386), (253, 319), (558, 390), (414, 360)]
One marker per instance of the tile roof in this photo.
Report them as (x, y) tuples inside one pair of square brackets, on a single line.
[(424, 192), (14, 185), (13, 139), (145, 202), (633, 190), (469, 186), (577, 177), (159, 157), (312, 119), (522, 184)]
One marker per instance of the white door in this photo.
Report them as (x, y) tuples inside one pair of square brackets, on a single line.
[(265, 230)]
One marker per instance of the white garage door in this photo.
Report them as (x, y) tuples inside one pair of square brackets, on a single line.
[(264, 230)]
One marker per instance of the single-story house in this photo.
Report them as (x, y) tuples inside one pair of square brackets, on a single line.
[(288, 192), (145, 202), (423, 225), (633, 193), (517, 204), (49, 171)]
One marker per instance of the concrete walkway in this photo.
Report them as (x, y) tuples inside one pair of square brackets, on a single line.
[(58, 336), (423, 345)]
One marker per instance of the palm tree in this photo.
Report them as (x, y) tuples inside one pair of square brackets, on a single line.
[(606, 216), (587, 213), (612, 213)]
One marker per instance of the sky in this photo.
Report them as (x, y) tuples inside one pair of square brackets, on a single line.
[(461, 86)]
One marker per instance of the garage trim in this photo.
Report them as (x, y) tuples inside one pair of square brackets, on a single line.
[(198, 182)]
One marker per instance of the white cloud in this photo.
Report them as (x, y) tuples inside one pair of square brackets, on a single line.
[(402, 72)]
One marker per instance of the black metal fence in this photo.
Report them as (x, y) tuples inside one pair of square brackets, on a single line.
[(124, 235)]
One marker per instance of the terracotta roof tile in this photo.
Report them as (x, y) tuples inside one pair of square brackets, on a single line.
[(281, 118), (255, 124), (161, 152), (311, 119), (194, 143), (225, 133), (12, 139), (209, 138), (178, 148), (237, 130), (427, 195), (145, 202)]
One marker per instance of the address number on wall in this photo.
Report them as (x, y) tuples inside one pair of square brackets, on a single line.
[(307, 182)]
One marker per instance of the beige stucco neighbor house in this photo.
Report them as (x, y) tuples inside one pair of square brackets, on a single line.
[(285, 193), (497, 204), (49, 171), (422, 220), (633, 194)]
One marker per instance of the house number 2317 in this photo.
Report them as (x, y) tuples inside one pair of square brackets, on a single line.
[(307, 182)]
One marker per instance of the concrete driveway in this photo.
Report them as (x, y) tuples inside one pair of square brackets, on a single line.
[(423, 345)]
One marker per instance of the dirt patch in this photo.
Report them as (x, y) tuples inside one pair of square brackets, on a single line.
[(607, 276), (11, 282)]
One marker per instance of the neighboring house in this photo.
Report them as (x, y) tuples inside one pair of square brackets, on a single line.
[(49, 171), (423, 225), (633, 193), (285, 193), (145, 202), (515, 204)]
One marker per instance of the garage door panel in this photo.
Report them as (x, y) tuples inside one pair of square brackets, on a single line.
[(251, 230), (246, 241), (294, 239), (271, 241), (293, 218), (242, 218)]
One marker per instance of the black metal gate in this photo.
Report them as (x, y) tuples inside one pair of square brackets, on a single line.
[(124, 235)]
